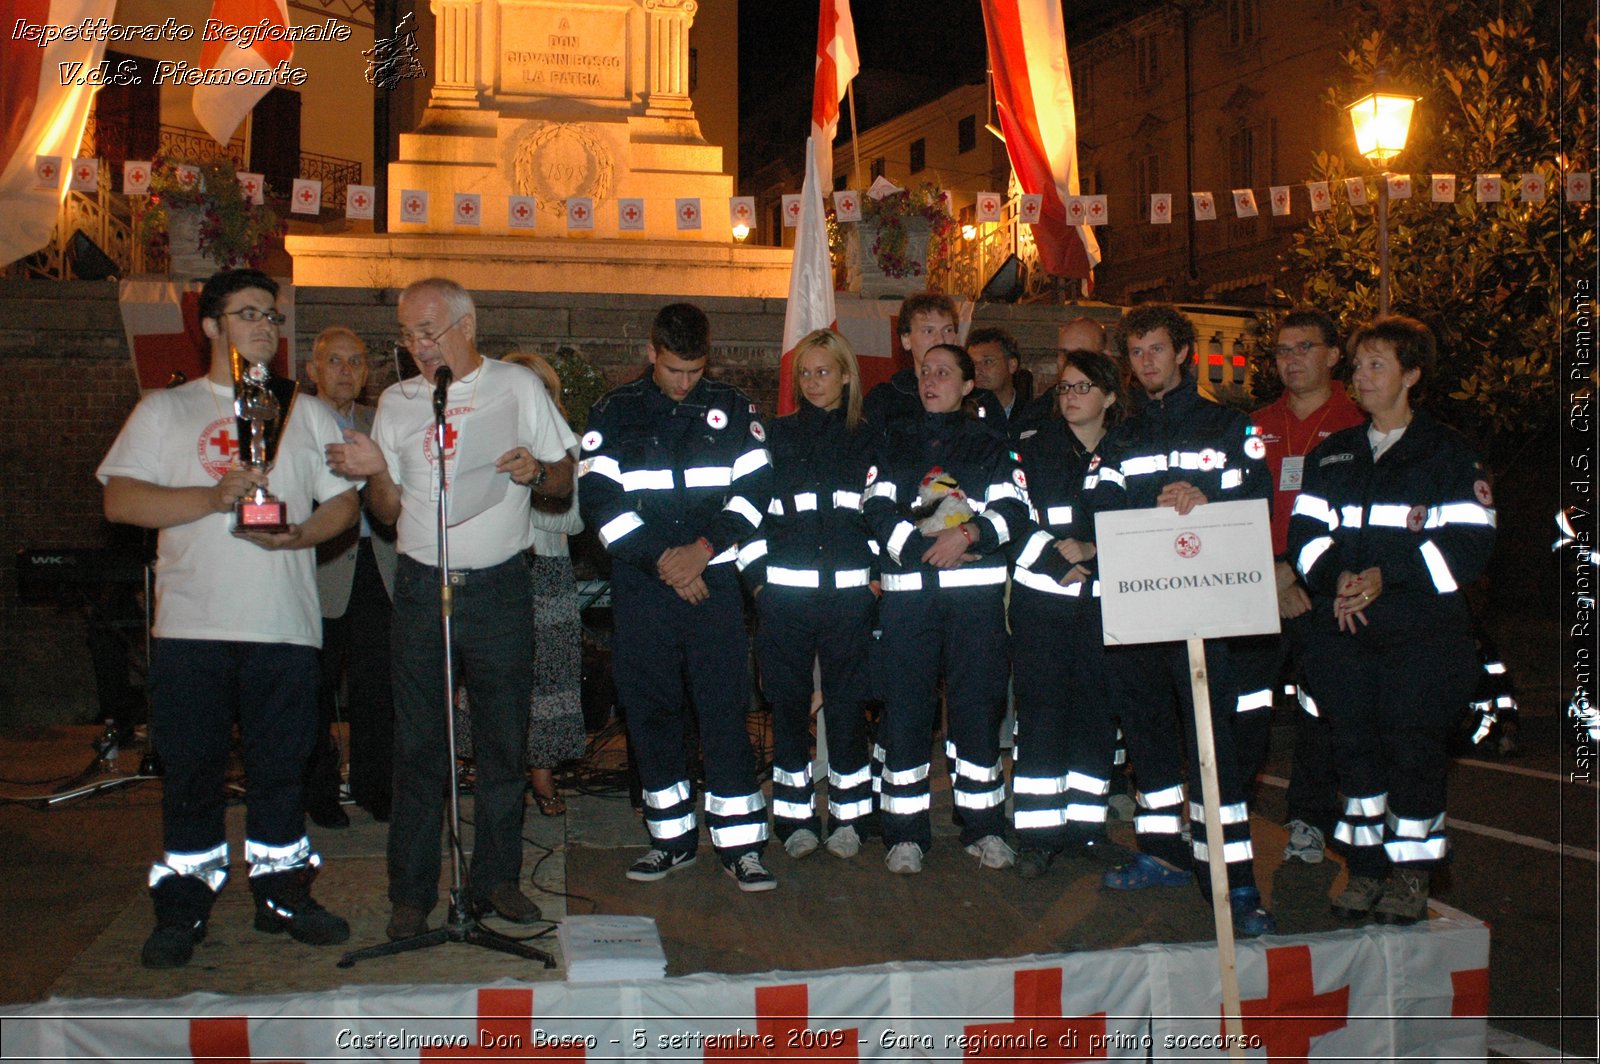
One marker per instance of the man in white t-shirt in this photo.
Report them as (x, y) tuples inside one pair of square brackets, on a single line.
[(492, 625), (237, 626)]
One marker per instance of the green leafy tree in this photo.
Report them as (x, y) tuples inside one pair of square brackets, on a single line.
[(1505, 88)]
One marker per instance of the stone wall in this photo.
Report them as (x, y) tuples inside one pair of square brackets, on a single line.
[(69, 385)]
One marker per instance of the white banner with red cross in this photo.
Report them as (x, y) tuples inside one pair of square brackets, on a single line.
[(1374, 993)]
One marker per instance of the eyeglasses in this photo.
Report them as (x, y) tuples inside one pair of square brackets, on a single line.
[(1303, 348), (412, 340), (253, 315), (1082, 387)]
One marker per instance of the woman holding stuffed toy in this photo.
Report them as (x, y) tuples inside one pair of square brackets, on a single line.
[(810, 569), (1066, 736), (941, 501), (1395, 519)]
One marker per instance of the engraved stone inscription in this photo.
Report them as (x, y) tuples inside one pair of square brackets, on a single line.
[(557, 50)]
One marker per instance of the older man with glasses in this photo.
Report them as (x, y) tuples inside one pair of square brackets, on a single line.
[(492, 595)]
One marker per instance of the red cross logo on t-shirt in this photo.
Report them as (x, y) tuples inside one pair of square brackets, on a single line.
[(451, 433), (218, 447)]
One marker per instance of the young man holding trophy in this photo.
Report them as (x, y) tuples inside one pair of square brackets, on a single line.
[(227, 468)]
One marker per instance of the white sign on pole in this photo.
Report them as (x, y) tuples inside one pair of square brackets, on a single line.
[(1206, 574)]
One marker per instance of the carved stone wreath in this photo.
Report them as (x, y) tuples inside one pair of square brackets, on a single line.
[(556, 160)]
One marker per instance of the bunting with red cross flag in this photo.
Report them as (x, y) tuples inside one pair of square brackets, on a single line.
[(784, 1030)]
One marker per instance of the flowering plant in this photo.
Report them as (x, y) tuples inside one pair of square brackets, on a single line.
[(233, 231), (889, 216)]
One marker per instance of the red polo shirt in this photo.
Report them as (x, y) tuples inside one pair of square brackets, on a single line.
[(1287, 436)]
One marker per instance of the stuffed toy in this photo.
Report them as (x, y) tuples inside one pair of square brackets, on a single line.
[(940, 504)]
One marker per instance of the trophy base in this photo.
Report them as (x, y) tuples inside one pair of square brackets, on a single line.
[(269, 517)]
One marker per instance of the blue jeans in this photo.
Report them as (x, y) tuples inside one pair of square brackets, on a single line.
[(493, 645)]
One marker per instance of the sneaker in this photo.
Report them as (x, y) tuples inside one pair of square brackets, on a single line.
[(751, 875), (1249, 918), (1305, 843), (1145, 871), (171, 945), (406, 921), (844, 843), (509, 903), (1405, 898), (904, 859), (1360, 894), (992, 852), (284, 903), (802, 843), (658, 864), (1033, 862)]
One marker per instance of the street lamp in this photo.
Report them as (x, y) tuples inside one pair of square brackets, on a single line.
[(1382, 121)]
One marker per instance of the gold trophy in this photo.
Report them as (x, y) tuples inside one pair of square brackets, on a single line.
[(261, 405)]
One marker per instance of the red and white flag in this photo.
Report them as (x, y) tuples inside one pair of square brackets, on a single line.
[(1244, 203), (811, 305), (468, 208), (688, 212), (1321, 198), (1280, 200), (988, 207), (1489, 188), (1355, 190), (742, 211), (846, 205), (1531, 188), (359, 200), (1030, 207), (42, 113), (1444, 188), (1205, 206), (136, 177), (85, 175), (580, 212), (253, 186), (837, 63), (522, 212), (1096, 209), (414, 206), (1160, 208), (1399, 186), (220, 108), (630, 214), (1577, 186), (306, 197), (791, 210), (1033, 92)]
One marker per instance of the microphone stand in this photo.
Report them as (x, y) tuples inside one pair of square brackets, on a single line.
[(461, 925)]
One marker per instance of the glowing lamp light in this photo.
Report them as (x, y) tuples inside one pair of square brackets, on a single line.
[(968, 232), (740, 231), (1382, 121)]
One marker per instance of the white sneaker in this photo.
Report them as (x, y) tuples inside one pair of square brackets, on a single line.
[(992, 852), (802, 843), (904, 859), (1305, 843), (844, 843)]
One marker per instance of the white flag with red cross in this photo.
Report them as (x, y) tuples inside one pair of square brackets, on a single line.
[(414, 206), (847, 205), (689, 217), (987, 207), (1531, 189), (1399, 186), (305, 197), (1205, 207), (838, 61), (1355, 190), (1244, 203), (1279, 196), (468, 209), (359, 201), (522, 212), (1030, 207), (791, 210), (630, 214), (742, 211), (254, 187), (580, 212), (47, 172), (1096, 211), (85, 175), (1490, 188), (1160, 208), (1577, 188), (136, 177), (186, 175), (1321, 196), (1442, 188), (1075, 210)]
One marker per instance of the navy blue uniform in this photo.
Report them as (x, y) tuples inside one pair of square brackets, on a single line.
[(895, 405), (1181, 437), (952, 619), (659, 474), (1423, 515), (1066, 735), (813, 565)]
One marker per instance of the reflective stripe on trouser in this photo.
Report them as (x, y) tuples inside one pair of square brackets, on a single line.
[(198, 689), (964, 630), (669, 645), (1391, 702), (797, 627), (1066, 738), (1151, 679)]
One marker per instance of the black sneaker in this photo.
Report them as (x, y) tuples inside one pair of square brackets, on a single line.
[(658, 864), (284, 903), (751, 875), (171, 945)]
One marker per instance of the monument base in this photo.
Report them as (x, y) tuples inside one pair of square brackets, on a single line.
[(542, 264)]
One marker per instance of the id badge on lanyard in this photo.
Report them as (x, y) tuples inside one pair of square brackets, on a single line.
[(1292, 474)]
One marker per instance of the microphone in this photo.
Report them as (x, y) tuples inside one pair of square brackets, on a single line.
[(441, 389)]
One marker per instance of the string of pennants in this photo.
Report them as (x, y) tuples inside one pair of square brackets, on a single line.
[(521, 211)]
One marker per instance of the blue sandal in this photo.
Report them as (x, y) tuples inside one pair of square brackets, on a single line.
[(1145, 871)]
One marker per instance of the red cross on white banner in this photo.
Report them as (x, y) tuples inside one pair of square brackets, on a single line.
[(188, 175), (1162, 206), (414, 205), (1075, 208), (47, 170), (1281, 198), (83, 173), (630, 212), (521, 210), (359, 199), (688, 213), (223, 1040), (847, 204), (137, 175), (781, 1015), (1293, 1013), (505, 1022), (306, 195), (1038, 1022), (1096, 208), (249, 188), (580, 211), (794, 209)]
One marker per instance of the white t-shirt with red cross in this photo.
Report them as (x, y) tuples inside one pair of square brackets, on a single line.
[(404, 432), (209, 583)]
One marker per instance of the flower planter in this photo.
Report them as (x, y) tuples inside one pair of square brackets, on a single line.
[(185, 260), (912, 264)]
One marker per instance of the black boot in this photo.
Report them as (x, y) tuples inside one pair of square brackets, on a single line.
[(183, 903), (284, 903)]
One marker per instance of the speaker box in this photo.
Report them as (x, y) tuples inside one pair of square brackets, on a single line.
[(88, 262), (1005, 286)]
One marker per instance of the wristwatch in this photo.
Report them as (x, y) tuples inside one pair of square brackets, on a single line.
[(538, 477)]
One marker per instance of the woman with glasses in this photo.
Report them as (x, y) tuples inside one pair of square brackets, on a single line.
[(1066, 738), (1395, 519), (942, 500), (810, 569)]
